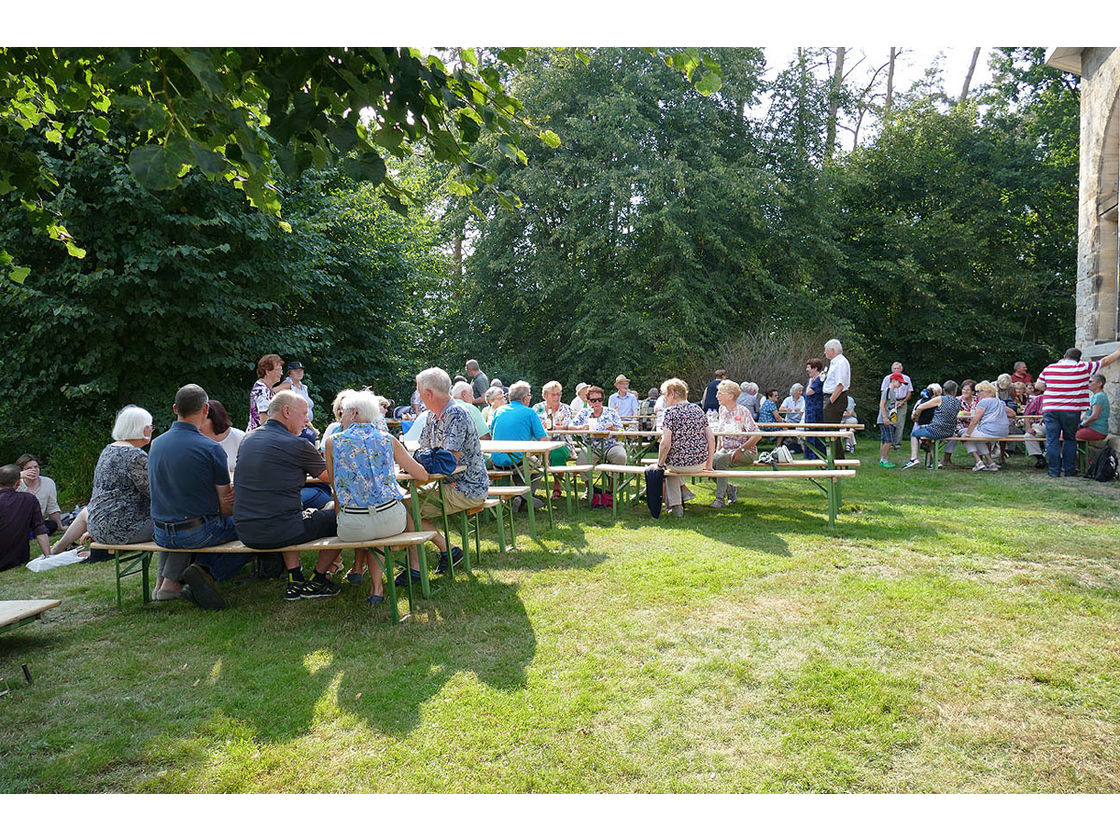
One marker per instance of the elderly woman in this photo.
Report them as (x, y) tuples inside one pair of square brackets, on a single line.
[(270, 370), (360, 465), (768, 407), (989, 420), (687, 442), (495, 399), (1094, 422), (792, 408), (555, 414), (733, 449), (120, 510), (968, 401), (216, 426), (942, 423)]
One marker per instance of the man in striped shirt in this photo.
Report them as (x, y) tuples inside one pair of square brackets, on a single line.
[(1065, 398)]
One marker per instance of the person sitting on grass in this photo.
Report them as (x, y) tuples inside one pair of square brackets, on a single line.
[(20, 515), (943, 423), (32, 481), (732, 450), (360, 466), (889, 398), (1094, 422), (273, 465), (989, 420), (687, 442)]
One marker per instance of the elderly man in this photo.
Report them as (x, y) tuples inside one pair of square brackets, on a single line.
[(479, 383), (1065, 399), (20, 515), (837, 383), (188, 477), (903, 391), (463, 393), (449, 427), (1021, 374), (624, 402), (273, 464), (517, 421)]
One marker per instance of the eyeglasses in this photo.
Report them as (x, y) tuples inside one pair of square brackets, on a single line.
[(594, 399)]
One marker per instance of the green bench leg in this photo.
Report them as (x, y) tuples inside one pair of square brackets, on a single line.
[(421, 551)]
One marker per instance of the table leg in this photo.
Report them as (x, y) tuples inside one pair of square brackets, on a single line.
[(547, 492), (421, 552)]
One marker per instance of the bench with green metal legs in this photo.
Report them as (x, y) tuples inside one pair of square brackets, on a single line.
[(471, 525), (568, 474)]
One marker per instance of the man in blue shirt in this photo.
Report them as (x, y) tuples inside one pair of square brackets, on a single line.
[(191, 504), (624, 402), (517, 421)]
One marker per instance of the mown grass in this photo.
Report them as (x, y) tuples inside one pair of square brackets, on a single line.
[(954, 632)]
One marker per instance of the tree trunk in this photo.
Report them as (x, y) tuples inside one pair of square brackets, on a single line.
[(457, 255), (968, 78), (890, 84), (834, 103)]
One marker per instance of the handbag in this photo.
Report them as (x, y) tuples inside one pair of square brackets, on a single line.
[(437, 460), (655, 477)]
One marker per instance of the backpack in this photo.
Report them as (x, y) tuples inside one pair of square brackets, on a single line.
[(1104, 465)]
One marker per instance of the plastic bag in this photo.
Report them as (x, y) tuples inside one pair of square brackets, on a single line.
[(53, 561)]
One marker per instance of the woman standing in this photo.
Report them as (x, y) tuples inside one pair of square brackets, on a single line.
[(814, 404), (270, 369), (687, 442)]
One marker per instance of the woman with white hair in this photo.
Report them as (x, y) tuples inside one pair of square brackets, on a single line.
[(687, 442), (495, 399), (360, 466), (792, 409), (120, 509), (989, 420)]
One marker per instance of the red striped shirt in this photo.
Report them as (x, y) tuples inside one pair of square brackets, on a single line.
[(1067, 385)]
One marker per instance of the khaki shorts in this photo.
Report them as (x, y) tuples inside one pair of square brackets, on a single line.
[(454, 501)]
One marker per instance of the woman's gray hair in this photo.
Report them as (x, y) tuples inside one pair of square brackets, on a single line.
[(729, 387), (462, 391), (834, 344), (434, 379), (519, 390), (494, 391), (796, 386), (365, 404), (130, 423)]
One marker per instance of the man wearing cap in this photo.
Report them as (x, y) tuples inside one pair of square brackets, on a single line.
[(580, 402), (624, 402)]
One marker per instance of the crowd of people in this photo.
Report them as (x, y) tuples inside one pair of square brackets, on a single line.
[(280, 483)]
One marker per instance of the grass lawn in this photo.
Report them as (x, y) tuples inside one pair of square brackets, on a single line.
[(955, 632)]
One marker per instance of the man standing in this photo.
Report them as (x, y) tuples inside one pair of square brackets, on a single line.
[(273, 464), (837, 383), (188, 477), (711, 403), (19, 516), (517, 421), (479, 383), (449, 427), (624, 402), (903, 393), (1065, 398)]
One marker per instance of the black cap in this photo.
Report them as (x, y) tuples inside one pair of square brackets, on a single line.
[(294, 365)]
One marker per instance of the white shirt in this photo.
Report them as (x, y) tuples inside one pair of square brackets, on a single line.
[(839, 373), (417, 427), (230, 444), (907, 386), (578, 405)]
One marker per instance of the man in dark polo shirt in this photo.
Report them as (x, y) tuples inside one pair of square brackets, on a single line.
[(191, 501), (273, 464), (19, 515)]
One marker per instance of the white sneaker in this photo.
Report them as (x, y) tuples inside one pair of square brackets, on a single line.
[(980, 467), (687, 495), (992, 468), (913, 462)]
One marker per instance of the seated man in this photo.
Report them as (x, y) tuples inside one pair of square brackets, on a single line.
[(188, 476), (273, 465), (943, 424), (19, 516), (517, 421), (463, 395), (448, 427)]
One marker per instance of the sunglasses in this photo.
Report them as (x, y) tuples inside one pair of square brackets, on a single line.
[(594, 399)]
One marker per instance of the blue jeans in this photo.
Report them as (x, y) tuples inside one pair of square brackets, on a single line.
[(213, 530), (314, 496), (1061, 424)]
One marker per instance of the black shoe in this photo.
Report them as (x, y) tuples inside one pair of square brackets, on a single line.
[(1039, 462), (295, 590), (402, 578), (456, 559), (203, 593), (319, 589)]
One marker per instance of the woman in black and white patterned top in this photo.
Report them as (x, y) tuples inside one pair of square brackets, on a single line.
[(687, 443)]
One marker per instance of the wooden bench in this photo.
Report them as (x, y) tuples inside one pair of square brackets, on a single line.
[(136, 558), (812, 463), (830, 477), (568, 473), (15, 614)]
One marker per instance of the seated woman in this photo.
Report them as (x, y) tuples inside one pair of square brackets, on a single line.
[(336, 412), (360, 464), (120, 511), (32, 481), (964, 415), (495, 399), (732, 450), (768, 407), (556, 414), (216, 426), (687, 442), (792, 410), (989, 420), (942, 424), (1094, 422)]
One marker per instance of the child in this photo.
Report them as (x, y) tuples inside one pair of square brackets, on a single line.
[(888, 417)]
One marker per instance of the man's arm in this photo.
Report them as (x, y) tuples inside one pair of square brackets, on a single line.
[(1111, 357), (225, 498), (44, 544)]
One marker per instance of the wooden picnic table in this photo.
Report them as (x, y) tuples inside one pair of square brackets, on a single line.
[(15, 614), (525, 448), (635, 441), (837, 426)]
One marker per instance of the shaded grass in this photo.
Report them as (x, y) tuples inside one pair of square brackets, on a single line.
[(953, 632)]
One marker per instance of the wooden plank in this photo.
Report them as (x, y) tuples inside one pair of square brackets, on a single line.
[(237, 547), (14, 612)]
